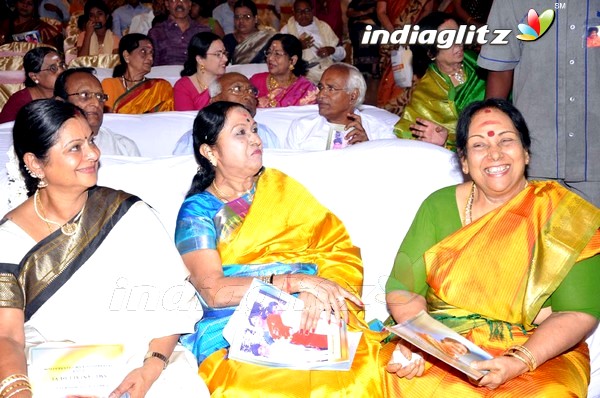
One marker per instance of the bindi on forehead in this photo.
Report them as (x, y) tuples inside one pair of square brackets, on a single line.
[(488, 110), (491, 133)]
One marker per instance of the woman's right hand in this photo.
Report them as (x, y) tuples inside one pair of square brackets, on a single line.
[(428, 131), (89, 28), (412, 369), (320, 294)]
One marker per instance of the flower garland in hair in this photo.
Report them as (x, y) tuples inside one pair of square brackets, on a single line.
[(17, 191)]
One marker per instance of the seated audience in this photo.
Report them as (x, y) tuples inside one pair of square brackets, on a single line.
[(142, 23), (122, 16), (278, 232), (247, 43), (232, 87), (80, 87), (201, 11), (529, 248), (223, 14), (97, 36), (284, 84), (25, 19), (42, 65), (171, 37), (129, 91), (449, 82), (65, 249), (206, 61), (342, 91), (330, 12), (320, 45)]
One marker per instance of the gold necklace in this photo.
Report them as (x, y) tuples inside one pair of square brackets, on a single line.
[(68, 228), (203, 87), (469, 205), (272, 85), (223, 197)]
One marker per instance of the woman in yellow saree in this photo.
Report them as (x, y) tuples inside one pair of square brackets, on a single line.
[(129, 91), (239, 222), (516, 272)]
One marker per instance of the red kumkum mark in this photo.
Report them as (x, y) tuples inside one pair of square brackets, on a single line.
[(491, 133), (488, 110)]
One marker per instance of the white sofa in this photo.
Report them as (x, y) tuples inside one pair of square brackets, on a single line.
[(374, 187)]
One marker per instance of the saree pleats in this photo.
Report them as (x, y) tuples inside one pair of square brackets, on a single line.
[(311, 235), (151, 95)]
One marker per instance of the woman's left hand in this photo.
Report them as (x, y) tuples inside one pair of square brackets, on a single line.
[(138, 381), (428, 131), (501, 369), (358, 133)]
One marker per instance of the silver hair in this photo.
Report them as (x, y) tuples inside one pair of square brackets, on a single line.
[(355, 81), (214, 88)]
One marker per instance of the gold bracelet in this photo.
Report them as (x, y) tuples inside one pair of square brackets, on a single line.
[(520, 358), (157, 355), (9, 380), (525, 351), (18, 390), (19, 386)]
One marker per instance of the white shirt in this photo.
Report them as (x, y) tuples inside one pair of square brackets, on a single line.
[(115, 144), (313, 31), (312, 132)]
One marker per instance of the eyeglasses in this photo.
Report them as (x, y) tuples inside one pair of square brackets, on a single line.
[(220, 54), (55, 67), (246, 17), (305, 11), (85, 96), (329, 89), (241, 90), (276, 54)]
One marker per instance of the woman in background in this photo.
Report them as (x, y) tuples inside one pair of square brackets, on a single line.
[(284, 84), (448, 83), (42, 66), (247, 43), (206, 61), (96, 38), (129, 91), (25, 19)]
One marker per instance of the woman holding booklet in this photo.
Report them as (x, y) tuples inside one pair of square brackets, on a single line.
[(511, 264), (241, 221), (73, 258)]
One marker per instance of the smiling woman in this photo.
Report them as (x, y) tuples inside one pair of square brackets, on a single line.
[(129, 91), (67, 241)]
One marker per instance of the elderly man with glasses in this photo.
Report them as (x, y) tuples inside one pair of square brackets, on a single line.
[(339, 123), (233, 87), (80, 87), (321, 47)]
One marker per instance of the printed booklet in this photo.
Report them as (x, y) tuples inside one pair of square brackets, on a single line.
[(264, 330), (442, 342)]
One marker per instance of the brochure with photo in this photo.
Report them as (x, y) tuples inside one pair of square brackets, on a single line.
[(442, 342), (33, 36), (265, 330), (336, 138), (61, 370)]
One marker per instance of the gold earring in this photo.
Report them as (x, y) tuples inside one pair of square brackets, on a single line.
[(291, 66), (202, 68), (42, 183)]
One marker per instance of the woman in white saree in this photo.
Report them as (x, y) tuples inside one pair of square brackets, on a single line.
[(89, 265)]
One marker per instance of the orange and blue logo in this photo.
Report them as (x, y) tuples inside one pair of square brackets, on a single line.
[(536, 25)]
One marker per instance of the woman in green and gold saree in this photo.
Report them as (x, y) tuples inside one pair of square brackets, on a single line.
[(449, 82), (510, 264)]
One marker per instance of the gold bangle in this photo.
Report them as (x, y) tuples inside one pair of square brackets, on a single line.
[(520, 358), (18, 390), (525, 351), (10, 380), (157, 355)]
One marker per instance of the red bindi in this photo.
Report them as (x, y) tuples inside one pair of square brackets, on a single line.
[(487, 110), (491, 133)]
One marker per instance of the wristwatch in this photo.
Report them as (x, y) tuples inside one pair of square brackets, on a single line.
[(154, 354)]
